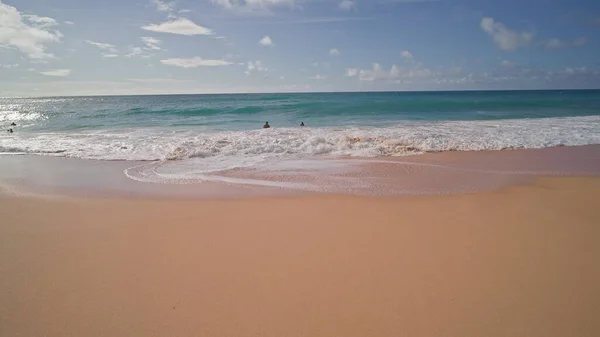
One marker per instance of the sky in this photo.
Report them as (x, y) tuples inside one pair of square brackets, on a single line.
[(125, 47)]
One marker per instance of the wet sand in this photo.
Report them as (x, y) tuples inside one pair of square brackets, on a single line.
[(428, 174), (518, 261)]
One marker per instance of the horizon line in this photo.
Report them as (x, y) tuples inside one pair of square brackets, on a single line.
[(303, 92)]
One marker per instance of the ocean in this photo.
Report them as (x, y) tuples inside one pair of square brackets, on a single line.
[(213, 133)]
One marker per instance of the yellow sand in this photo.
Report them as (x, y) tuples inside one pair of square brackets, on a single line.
[(524, 261)]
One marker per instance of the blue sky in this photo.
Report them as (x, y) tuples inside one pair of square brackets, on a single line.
[(82, 47)]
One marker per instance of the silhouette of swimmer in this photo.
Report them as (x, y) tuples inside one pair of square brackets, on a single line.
[(266, 126), (302, 124), (13, 124), (10, 130)]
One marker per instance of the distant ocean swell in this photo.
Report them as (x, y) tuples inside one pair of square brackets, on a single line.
[(418, 110), (360, 108)]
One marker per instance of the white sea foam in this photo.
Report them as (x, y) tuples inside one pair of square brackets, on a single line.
[(192, 153)]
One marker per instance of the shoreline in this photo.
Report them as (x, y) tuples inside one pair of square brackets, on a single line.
[(441, 173)]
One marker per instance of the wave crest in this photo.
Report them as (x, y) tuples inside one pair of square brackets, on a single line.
[(218, 150)]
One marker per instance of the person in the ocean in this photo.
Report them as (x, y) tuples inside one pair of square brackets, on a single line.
[(302, 124), (10, 130), (13, 124), (266, 126)]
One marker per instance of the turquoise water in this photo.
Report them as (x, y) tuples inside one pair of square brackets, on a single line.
[(211, 133), (246, 112)]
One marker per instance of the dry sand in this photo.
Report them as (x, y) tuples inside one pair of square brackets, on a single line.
[(521, 261)]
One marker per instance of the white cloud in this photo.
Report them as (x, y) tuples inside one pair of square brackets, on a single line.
[(184, 11), (105, 46), (30, 34), (334, 52), (9, 66), (508, 64), (151, 43), (110, 55), (163, 6), (521, 74), (57, 72), (136, 51), (557, 43), (69, 23), (377, 73), (578, 71), (266, 41), (159, 80), (351, 72), (252, 4), (347, 5), (101, 45), (110, 50), (256, 66), (405, 54), (179, 26), (41, 21), (194, 62), (505, 38), (318, 77)]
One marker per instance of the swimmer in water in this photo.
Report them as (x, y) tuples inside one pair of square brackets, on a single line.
[(302, 124), (10, 130), (266, 126), (13, 124)]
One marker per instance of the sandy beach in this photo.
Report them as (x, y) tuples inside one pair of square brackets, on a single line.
[(299, 168), (517, 261)]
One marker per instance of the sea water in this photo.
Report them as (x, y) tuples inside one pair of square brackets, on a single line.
[(195, 135)]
